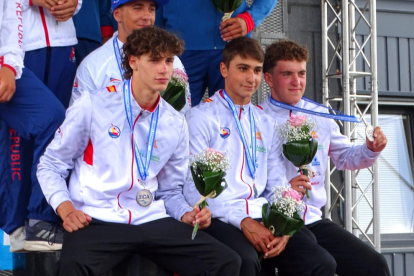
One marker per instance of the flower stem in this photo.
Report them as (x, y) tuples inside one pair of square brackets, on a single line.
[(194, 231)]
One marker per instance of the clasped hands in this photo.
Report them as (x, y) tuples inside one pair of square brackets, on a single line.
[(62, 10)]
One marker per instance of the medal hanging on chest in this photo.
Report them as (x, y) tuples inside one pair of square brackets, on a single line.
[(144, 197), (251, 158)]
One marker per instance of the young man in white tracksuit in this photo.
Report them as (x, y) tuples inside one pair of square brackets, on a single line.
[(128, 150), (237, 211), (102, 67), (285, 73)]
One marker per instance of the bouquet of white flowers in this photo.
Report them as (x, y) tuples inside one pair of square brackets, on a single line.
[(208, 169)]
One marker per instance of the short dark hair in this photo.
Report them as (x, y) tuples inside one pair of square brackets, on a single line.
[(286, 50), (244, 47), (153, 40)]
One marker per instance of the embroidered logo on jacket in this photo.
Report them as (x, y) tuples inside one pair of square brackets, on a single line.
[(208, 100), (316, 162), (258, 136), (224, 132), (313, 134), (114, 79), (111, 88), (114, 131), (72, 55), (75, 85)]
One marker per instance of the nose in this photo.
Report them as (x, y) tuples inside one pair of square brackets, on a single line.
[(295, 79), (250, 77), (147, 15)]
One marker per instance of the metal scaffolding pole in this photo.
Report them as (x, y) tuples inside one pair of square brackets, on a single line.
[(347, 59)]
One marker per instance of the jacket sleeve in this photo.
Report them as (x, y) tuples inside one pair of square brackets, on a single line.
[(171, 178), (347, 156), (260, 9), (105, 18), (276, 171), (11, 35), (69, 143)]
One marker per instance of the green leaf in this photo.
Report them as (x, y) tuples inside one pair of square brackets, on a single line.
[(300, 152), (208, 182), (282, 225), (227, 5), (175, 96)]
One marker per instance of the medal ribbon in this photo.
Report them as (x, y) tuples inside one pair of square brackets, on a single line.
[(340, 116), (118, 56), (251, 163), (142, 168)]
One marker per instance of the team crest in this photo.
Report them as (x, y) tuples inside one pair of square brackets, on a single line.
[(75, 86), (208, 100), (258, 136), (224, 132), (114, 131)]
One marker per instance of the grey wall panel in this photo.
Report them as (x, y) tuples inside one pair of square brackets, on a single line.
[(398, 267), (411, 53), (392, 64), (409, 263), (388, 258), (382, 64), (404, 68)]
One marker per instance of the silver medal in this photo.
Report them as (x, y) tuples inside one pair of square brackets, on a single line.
[(369, 132), (144, 197)]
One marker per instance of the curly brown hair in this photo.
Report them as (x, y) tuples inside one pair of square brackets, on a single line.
[(244, 47), (153, 40), (286, 50)]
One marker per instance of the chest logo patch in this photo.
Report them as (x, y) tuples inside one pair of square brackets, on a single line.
[(114, 131), (224, 132), (316, 162), (313, 134)]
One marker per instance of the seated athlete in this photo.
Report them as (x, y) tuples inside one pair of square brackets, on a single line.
[(128, 150)]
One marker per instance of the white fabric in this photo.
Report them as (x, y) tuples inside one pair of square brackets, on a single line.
[(330, 143), (106, 190), (11, 35), (100, 69), (39, 24), (237, 201)]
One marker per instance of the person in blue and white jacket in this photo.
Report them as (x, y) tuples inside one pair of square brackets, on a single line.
[(32, 112), (285, 73), (128, 150), (237, 211), (199, 24), (101, 68)]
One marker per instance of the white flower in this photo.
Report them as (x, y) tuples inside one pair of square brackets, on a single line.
[(295, 133), (284, 203), (210, 160)]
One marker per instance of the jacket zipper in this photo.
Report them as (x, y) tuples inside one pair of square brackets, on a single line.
[(42, 15)]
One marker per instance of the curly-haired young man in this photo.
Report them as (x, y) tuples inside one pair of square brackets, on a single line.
[(129, 152), (285, 73)]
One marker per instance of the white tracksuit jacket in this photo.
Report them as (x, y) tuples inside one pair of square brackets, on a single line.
[(41, 29), (330, 143), (212, 125), (104, 181), (100, 69), (11, 36)]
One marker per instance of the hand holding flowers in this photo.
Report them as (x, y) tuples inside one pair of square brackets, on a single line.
[(208, 171), (300, 147)]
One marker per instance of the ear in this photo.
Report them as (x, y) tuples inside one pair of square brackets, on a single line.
[(268, 79), (117, 14), (223, 70), (133, 62)]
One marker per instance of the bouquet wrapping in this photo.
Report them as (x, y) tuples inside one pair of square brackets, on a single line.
[(208, 169), (300, 147), (177, 89), (227, 7), (282, 215)]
